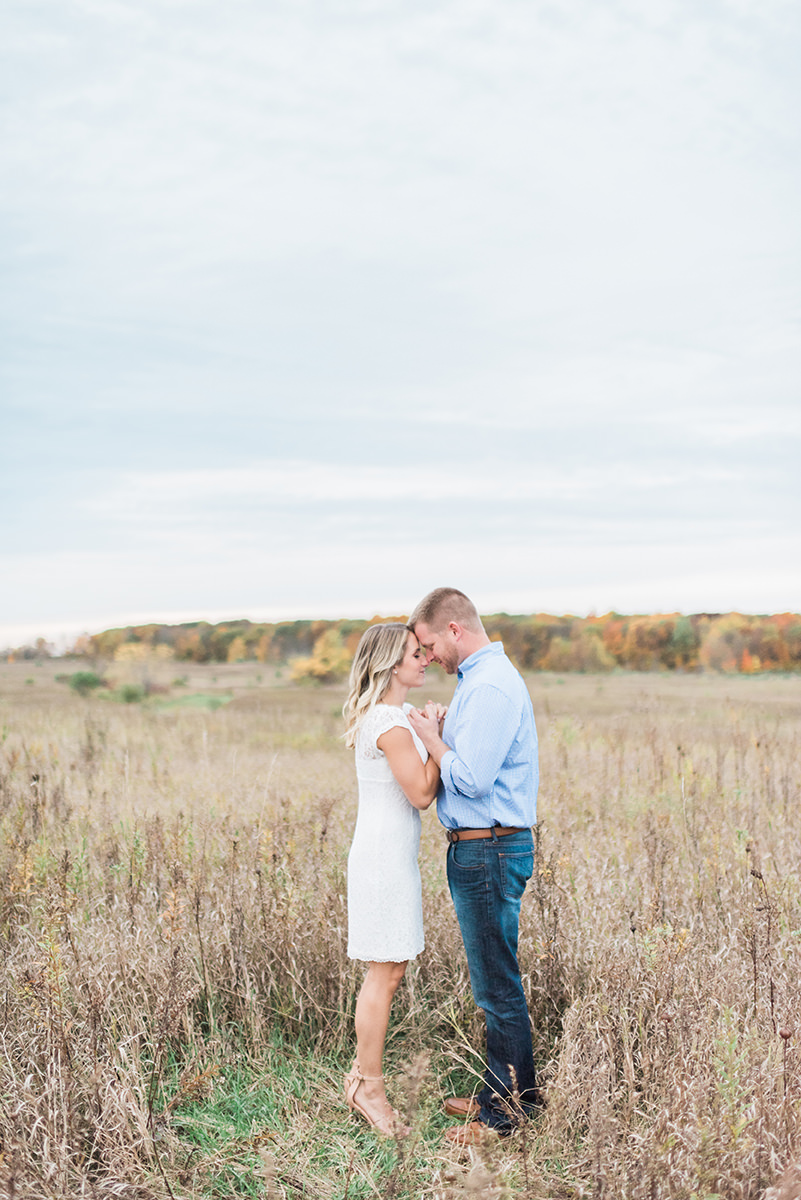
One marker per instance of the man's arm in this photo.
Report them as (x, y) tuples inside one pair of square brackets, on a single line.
[(488, 724)]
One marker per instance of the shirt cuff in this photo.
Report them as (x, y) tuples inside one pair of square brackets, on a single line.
[(448, 758)]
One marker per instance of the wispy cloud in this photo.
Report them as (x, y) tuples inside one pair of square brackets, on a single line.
[(282, 482)]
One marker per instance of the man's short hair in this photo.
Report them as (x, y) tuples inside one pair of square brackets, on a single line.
[(446, 604)]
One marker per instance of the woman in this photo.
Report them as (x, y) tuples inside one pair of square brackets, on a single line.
[(385, 910)]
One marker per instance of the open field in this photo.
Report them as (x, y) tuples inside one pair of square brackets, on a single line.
[(177, 1001)]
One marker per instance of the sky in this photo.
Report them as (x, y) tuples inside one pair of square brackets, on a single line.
[(311, 307)]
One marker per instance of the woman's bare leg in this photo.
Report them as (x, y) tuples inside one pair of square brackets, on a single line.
[(372, 1017)]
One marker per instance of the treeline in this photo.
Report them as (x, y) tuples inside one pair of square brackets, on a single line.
[(729, 642)]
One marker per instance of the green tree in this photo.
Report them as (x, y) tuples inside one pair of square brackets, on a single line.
[(684, 643)]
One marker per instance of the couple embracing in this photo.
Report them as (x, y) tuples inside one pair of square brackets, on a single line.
[(478, 759)]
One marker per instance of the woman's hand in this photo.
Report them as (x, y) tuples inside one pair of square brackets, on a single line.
[(430, 718), (441, 710), (426, 724)]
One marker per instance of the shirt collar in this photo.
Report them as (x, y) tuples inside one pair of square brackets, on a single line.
[(491, 651)]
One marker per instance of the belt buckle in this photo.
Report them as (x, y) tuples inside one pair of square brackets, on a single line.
[(453, 836)]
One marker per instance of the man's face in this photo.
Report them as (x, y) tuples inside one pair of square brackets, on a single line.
[(441, 647)]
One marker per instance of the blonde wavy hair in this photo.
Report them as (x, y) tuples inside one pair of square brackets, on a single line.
[(380, 650)]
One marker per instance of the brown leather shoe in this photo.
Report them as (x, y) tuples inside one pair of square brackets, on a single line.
[(475, 1133), (462, 1106)]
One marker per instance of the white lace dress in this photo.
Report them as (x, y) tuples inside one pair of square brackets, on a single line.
[(385, 907)]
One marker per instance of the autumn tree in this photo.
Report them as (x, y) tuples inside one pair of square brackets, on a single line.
[(237, 650), (143, 664), (722, 648), (330, 660), (583, 651)]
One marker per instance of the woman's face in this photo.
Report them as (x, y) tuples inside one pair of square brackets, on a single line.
[(412, 667)]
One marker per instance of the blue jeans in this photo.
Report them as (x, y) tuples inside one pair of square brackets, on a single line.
[(487, 878)]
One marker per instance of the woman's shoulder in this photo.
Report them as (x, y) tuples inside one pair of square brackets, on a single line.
[(379, 719), (388, 715)]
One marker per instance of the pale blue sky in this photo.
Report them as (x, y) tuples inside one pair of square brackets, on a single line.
[(310, 307)]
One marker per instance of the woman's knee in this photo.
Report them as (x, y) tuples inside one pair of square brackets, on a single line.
[(388, 975)]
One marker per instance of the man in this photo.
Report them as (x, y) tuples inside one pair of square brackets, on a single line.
[(487, 802)]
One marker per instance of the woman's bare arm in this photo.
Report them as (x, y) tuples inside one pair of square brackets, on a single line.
[(418, 779)]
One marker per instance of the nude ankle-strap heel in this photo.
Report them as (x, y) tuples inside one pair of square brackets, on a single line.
[(389, 1124)]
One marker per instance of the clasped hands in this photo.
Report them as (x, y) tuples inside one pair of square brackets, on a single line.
[(427, 722)]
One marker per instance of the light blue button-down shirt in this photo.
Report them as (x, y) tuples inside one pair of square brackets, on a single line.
[(491, 773)]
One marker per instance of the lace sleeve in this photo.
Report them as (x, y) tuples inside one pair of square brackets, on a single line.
[(378, 721)]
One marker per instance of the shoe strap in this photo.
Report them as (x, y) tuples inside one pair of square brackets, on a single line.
[(354, 1080)]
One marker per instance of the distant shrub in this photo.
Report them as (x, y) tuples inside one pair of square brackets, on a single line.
[(84, 682), (130, 693), (156, 689)]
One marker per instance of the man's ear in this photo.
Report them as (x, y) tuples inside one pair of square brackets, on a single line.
[(455, 629)]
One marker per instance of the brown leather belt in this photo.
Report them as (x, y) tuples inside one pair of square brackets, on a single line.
[(470, 835)]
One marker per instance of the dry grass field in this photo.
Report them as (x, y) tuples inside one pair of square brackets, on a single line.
[(177, 1001)]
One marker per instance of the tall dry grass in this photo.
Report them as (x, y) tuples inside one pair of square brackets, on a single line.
[(173, 899)]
